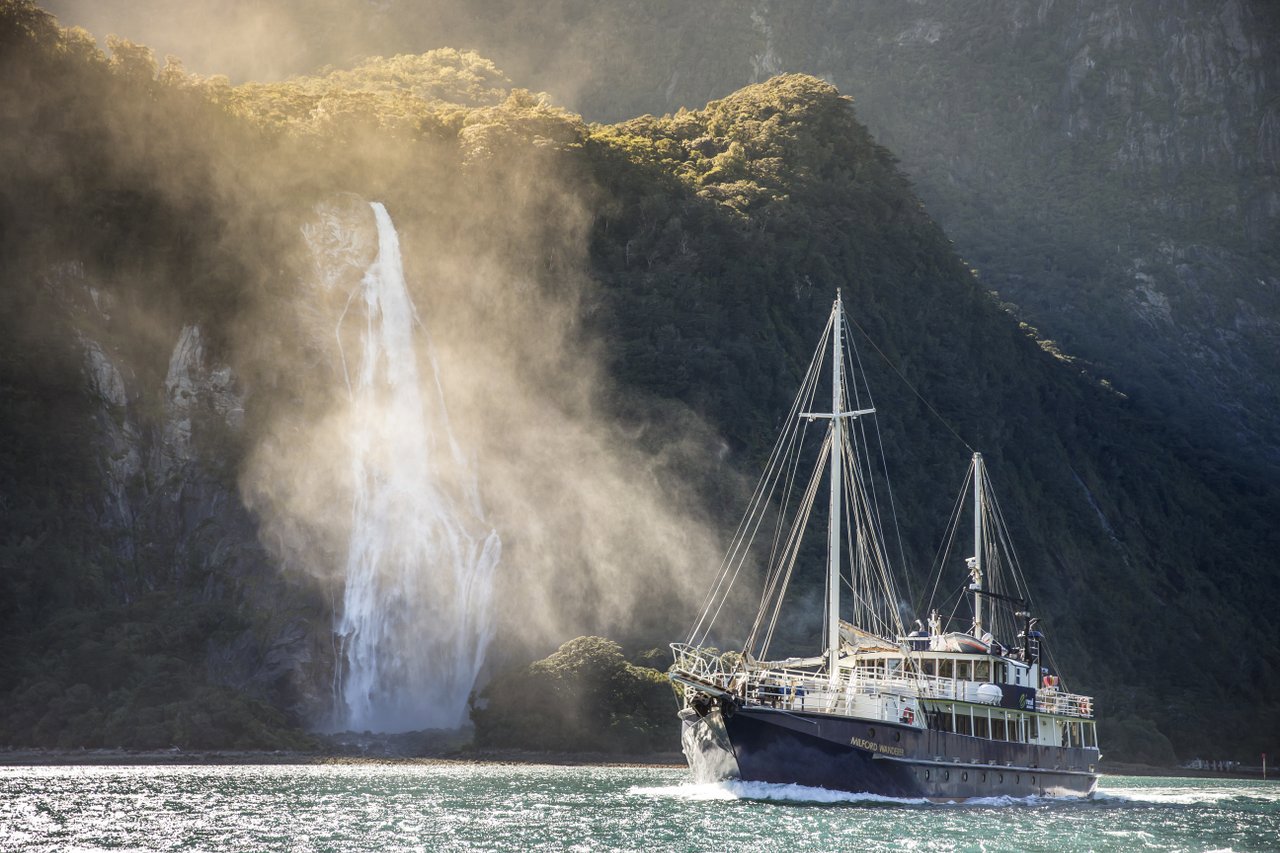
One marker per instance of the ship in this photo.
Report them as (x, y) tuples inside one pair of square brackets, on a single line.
[(967, 703)]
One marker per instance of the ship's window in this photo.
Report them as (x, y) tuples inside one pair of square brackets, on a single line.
[(931, 667), (997, 728), (984, 777), (1033, 727), (964, 777), (871, 732), (962, 670), (1017, 780), (927, 774), (897, 736), (1090, 735), (980, 727), (946, 775), (1033, 780), (1002, 672), (1001, 779), (982, 670), (944, 668)]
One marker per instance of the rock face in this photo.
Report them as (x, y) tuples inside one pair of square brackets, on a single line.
[(168, 502)]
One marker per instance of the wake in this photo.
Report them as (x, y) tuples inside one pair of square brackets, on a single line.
[(790, 793)]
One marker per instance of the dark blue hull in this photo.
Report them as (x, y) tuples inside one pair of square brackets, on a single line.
[(869, 756)]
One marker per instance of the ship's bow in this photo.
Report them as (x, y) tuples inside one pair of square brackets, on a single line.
[(706, 746)]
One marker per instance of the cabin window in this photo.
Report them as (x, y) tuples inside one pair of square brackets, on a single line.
[(930, 667), (1002, 672), (944, 668), (1074, 728), (964, 725), (997, 728), (1090, 735), (980, 725), (982, 671), (962, 670), (1033, 728)]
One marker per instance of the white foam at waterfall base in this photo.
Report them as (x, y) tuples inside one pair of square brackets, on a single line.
[(415, 620)]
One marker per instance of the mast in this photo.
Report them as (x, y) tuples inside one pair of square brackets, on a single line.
[(976, 565), (834, 519)]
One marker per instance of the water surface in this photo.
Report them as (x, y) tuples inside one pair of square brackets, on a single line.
[(506, 807)]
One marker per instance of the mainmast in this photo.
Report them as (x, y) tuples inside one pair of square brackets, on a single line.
[(836, 517), (834, 520)]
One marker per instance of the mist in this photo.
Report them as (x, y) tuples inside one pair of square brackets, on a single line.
[(595, 496)]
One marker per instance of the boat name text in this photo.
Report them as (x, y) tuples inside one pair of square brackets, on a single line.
[(871, 745)]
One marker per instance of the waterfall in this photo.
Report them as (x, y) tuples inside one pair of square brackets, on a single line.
[(415, 619)]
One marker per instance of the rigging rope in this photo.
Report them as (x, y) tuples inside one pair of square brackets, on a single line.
[(741, 542), (888, 482), (907, 382)]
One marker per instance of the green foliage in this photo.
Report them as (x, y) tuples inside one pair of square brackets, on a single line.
[(131, 676), (585, 697)]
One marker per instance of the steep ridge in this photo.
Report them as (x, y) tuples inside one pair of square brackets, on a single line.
[(693, 255), (1110, 167)]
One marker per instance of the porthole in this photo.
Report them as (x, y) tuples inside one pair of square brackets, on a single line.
[(1017, 780), (946, 775), (897, 736), (871, 732), (1033, 780), (927, 774), (984, 777), (1001, 780), (964, 777)]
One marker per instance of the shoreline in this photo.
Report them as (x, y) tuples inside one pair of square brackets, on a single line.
[(177, 758)]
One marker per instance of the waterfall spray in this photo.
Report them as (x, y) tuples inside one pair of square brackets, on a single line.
[(415, 620)]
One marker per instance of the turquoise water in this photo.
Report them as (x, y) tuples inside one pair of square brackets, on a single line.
[(530, 807)]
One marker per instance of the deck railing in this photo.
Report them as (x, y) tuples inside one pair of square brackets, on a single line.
[(801, 689)]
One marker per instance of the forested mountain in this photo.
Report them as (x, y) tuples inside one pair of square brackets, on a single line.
[(641, 295), (1111, 168)]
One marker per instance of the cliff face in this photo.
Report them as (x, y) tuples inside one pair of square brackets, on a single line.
[(159, 548), (1111, 168)]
